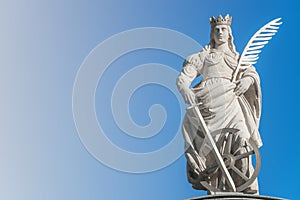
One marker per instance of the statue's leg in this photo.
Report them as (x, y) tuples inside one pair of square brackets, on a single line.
[(192, 144), (244, 165)]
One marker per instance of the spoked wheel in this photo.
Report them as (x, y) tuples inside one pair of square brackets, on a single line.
[(231, 159)]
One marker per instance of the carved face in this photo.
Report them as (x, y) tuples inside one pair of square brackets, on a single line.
[(221, 34)]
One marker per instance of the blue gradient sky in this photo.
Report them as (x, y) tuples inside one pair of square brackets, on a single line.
[(42, 45)]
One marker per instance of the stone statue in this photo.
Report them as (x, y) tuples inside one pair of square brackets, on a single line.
[(220, 127)]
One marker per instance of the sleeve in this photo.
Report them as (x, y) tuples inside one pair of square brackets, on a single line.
[(251, 103), (191, 69), (253, 95)]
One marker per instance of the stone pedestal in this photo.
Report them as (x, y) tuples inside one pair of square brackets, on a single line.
[(235, 197)]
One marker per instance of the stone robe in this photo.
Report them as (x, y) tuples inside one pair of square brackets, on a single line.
[(220, 108)]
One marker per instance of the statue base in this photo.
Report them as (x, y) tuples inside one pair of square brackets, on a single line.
[(235, 196)]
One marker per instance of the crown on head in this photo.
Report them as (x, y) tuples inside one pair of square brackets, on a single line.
[(220, 20)]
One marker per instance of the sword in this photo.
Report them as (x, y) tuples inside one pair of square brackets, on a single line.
[(215, 150)]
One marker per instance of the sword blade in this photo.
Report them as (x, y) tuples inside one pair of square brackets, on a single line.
[(215, 151)]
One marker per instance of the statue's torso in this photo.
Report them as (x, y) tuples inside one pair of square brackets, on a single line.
[(218, 65)]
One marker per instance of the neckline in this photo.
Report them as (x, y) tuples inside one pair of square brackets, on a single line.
[(229, 53)]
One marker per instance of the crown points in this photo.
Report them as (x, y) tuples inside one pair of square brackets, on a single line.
[(220, 20)]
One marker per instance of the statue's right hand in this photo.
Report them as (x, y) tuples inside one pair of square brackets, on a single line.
[(189, 96)]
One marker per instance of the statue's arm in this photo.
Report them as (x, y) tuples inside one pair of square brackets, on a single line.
[(253, 94), (251, 73), (189, 72), (248, 78)]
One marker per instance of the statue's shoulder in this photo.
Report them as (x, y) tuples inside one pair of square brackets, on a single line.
[(198, 58)]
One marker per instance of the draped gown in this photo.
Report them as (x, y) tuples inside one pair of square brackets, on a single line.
[(220, 108)]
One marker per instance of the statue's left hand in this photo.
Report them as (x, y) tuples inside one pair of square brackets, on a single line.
[(243, 85)]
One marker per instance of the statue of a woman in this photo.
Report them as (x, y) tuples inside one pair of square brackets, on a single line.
[(223, 104)]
